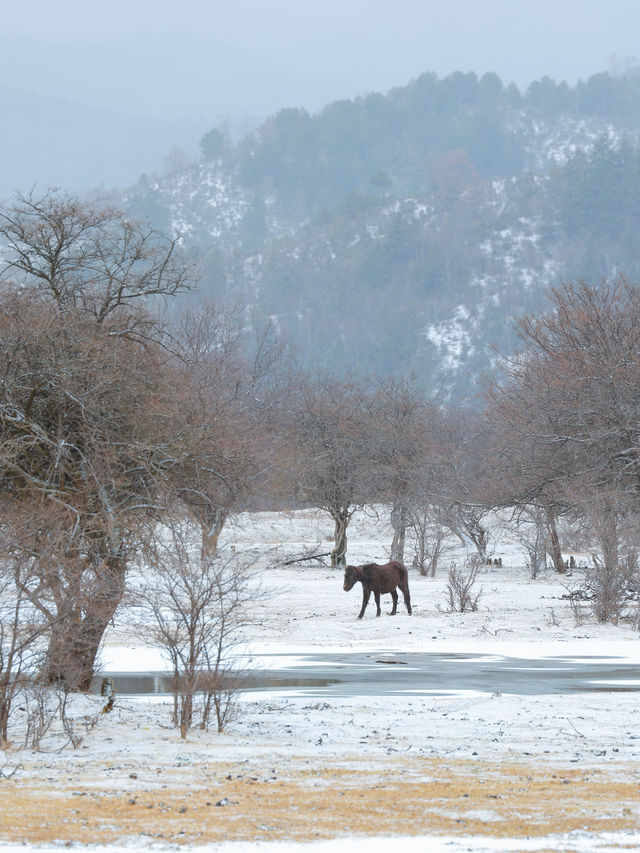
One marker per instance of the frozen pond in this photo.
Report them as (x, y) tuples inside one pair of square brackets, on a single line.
[(362, 674)]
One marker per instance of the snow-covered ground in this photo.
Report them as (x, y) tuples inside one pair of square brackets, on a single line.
[(465, 771)]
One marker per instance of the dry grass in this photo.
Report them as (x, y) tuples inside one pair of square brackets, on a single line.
[(307, 801)]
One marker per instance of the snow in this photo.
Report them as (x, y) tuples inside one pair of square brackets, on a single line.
[(452, 338), (572, 842), (134, 751)]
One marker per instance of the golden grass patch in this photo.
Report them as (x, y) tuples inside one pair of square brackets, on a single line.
[(308, 800)]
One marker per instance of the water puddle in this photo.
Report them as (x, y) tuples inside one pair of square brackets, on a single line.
[(360, 674)]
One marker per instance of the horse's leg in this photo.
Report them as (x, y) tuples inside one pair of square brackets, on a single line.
[(394, 596), (376, 595), (365, 600), (407, 598)]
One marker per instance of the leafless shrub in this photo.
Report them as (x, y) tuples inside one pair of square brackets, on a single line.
[(475, 560), (429, 541), (634, 615), (195, 604), (577, 606), (22, 631), (69, 725), (610, 591), (552, 619), (536, 559), (460, 593), (46, 717), (40, 712), (612, 587), (575, 534), (532, 535), (466, 521)]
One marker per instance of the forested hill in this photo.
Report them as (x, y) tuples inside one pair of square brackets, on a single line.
[(401, 232)]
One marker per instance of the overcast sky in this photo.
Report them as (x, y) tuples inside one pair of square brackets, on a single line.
[(202, 58), (94, 94)]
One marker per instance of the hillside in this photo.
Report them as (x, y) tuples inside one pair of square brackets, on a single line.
[(401, 232)]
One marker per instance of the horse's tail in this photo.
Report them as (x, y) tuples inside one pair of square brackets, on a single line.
[(404, 574)]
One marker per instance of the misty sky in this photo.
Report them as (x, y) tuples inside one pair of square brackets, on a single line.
[(94, 94), (199, 59)]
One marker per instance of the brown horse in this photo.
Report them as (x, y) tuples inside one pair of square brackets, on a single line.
[(379, 580)]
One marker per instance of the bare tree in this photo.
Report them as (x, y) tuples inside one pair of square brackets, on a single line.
[(22, 627), (569, 410), (613, 574), (87, 256), (465, 520), (405, 432), (330, 452), (233, 380), (430, 540), (196, 609), (88, 420), (582, 365), (463, 501), (532, 534)]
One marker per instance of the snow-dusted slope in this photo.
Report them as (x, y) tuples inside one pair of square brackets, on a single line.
[(391, 282)]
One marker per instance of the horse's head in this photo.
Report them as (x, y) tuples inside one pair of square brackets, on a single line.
[(351, 577)]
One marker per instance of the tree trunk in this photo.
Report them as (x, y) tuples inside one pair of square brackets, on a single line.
[(399, 524), (186, 706), (211, 533), (554, 550), (607, 532), (5, 709), (435, 557), (77, 633), (471, 529), (538, 552), (478, 536), (339, 553), (607, 578)]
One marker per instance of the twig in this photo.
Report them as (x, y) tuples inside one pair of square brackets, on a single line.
[(563, 731), (7, 774), (309, 557), (575, 729), (486, 630)]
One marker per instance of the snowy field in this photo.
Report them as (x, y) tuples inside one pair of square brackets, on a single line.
[(481, 771)]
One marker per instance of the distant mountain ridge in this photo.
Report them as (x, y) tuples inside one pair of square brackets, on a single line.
[(400, 233)]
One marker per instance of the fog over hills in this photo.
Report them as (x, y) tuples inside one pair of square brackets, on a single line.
[(53, 142), (155, 76), (168, 77), (337, 167), (402, 233)]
